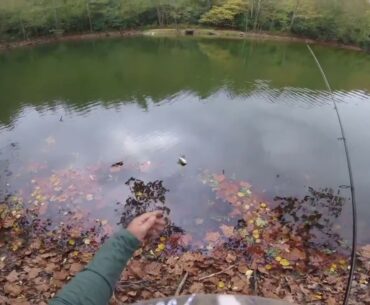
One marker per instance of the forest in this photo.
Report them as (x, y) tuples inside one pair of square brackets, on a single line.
[(342, 21)]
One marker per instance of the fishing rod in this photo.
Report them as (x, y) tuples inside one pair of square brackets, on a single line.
[(351, 180)]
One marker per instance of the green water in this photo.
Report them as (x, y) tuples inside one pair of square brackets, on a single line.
[(256, 111)]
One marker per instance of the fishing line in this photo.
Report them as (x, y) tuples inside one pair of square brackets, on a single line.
[(354, 207)]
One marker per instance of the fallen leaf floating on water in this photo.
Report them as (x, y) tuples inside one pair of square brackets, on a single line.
[(212, 237), (228, 231)]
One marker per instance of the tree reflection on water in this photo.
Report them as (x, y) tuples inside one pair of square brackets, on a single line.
[(314, 217)]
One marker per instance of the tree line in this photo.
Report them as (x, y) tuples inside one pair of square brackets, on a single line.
[(338, 20)]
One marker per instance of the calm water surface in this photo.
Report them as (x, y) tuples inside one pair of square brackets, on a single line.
[(255, 111)]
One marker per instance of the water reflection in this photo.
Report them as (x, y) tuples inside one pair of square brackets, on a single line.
[(146, 197), (314, 218)]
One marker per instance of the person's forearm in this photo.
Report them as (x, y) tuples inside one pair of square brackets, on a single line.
[(95, 284)]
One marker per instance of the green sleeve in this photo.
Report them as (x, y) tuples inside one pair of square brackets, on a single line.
[(95, 284)]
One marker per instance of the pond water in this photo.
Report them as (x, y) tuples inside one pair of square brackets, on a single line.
[(248, 111)]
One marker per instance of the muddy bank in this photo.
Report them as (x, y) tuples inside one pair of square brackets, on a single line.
[(232, 34), (70, 37), (171, 32)]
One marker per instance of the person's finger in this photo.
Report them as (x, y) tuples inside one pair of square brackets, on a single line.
[(144, 217), (161, 222), (158, 228), (154, 233), (149, 223)]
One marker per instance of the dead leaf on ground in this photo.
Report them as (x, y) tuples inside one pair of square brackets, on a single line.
[(365, 251), (75, 267), (230, 258), (331, 301), (295, 255), (33, 273), (153, 268), (12, 276), (50, 267), (196, 288), (159, 295), (124, 298), (61, 275), (238, 284), (136, 268), (13, 289), (146, 294)]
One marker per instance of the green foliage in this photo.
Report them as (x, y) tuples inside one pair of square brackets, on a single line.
[(340, 20), (226, 13)]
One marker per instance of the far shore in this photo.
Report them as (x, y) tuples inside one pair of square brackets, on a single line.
[(173, 32)]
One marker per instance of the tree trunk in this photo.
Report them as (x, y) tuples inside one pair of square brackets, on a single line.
[(176, 23), (252, 9), (257, 15), (246, 21), (294, 15), (89, 15), (23, 29), (159, 16), (56, 16)]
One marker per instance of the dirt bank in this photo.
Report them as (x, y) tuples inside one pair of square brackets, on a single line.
[(231, 34), (71, 37), (170, 32)]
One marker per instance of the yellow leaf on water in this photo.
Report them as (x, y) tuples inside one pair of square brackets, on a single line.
[(278, 258), (260, 222), (333, 268), (71, 242), (160, 247), (256, 234), (284, 262), (243, 232), (263, 205), (221, 284), (268, 267)]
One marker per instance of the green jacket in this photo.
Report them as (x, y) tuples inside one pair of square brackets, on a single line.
[(95, 284)]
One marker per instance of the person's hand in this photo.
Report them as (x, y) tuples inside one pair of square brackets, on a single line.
[(147, 225)]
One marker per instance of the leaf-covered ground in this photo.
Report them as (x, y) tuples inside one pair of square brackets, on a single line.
[(287, 248)]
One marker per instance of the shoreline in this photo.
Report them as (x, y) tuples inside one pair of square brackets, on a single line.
[(171, 32)]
